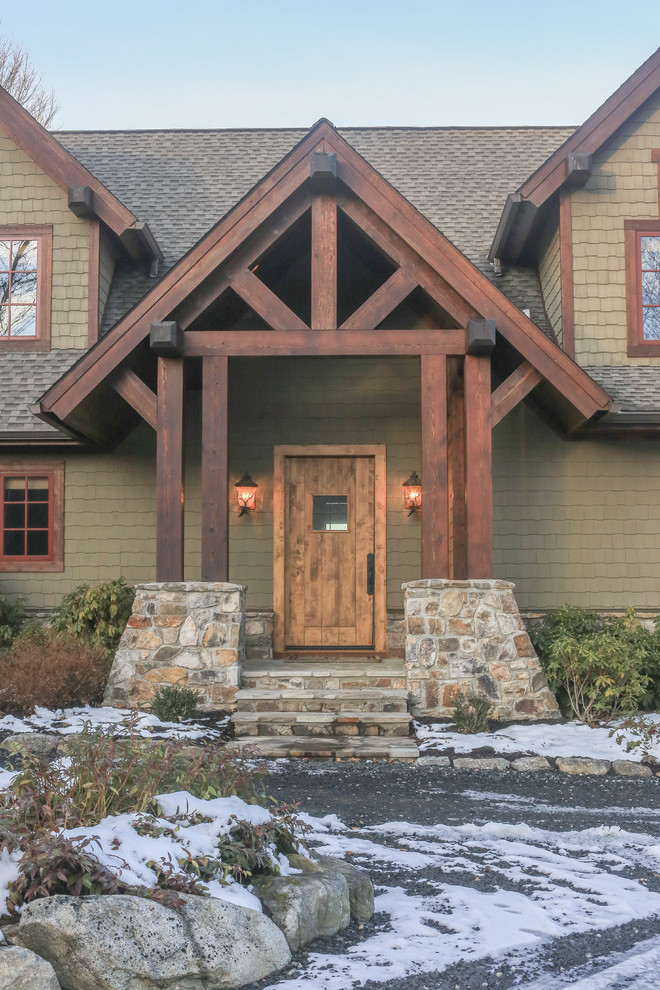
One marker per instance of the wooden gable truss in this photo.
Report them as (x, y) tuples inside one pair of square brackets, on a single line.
[(325, 177)]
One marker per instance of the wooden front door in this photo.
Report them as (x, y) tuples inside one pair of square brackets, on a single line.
[(332, 566)]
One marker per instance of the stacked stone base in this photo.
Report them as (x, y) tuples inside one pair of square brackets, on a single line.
[(184, 634), (468, 636)]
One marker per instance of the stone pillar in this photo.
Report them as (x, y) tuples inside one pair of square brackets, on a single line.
[(468, 635), (191, 635)]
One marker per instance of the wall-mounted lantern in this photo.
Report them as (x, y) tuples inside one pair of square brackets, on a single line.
[(246, 493), (412, 494)]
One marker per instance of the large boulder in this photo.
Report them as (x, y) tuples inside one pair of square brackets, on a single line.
[(119, 942), (305, 906), (21, 969), (360, 887)]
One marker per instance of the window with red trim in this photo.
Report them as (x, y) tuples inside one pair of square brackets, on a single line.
[(31, 518), (642, 239), (25, 287)]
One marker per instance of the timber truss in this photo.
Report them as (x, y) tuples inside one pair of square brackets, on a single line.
[(233, 296)]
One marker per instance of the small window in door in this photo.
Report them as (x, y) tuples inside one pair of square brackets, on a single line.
[(330, 513)]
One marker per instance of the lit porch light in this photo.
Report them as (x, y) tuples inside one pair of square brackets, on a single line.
[(412, 494), (246, 493)]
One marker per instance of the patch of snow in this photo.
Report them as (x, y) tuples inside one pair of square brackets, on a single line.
[(6, 777), (548, 884), (69, 720), (568, 739)]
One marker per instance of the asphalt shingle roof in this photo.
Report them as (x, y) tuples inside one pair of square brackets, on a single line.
[(635, 389), (24, 377), (183, 182)]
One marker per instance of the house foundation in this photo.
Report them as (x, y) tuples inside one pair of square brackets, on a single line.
[(469, 636), (188, 634)]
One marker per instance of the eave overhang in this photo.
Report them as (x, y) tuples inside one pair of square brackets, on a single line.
[(569, 164), (70, 175)]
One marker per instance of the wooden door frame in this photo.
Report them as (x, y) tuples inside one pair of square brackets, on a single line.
[(379, 454)]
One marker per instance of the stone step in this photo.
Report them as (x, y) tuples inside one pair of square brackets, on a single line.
[(321, 724), (328, 747), (298, 700), (323, 674)]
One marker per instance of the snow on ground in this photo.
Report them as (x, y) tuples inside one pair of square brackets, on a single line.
[(541, 885), (568, 739), (65, 721), (187, 826)]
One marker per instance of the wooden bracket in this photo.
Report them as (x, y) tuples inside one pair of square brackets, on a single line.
[(322, 172), (512, 391), (578, 169), (81, 201), (166, 339), (480, 336), (138, 395)]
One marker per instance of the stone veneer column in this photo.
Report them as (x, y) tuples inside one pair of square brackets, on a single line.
[(191, 635), (468, 635)]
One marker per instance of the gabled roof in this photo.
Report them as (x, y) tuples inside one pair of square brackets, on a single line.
[(474, 293), (523, 207), (183, 181), (65, 170)]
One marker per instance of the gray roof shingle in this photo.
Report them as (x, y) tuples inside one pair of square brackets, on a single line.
[(634, 389), (24, 377)]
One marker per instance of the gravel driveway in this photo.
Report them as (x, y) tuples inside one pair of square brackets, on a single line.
[(486, 879)]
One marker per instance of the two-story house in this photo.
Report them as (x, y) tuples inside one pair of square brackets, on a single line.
[(330, 311)]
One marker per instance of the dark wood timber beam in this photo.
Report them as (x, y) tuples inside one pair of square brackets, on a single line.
[(456, 467), (138, 395), (215, 519), (512, 391), (293, 343), (265, 303), (478, 467), (566, 273), (324, 261), (379, 305), (204, 295), (169, 471), (399, 253), (435, 487)]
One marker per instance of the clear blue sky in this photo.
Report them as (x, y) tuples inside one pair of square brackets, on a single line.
[(288, 62)]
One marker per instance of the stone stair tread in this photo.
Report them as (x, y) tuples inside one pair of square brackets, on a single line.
[(321, 717), (279, 668), (341, 694), (328, 747)]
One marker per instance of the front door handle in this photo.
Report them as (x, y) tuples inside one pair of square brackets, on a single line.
[(370, 573)]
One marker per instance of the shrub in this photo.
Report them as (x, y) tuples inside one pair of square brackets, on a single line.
[(174, 704), (11, 617), (97, 612), (52, 864), (600, 670), (103, 776), (53, 669), (472, 711)]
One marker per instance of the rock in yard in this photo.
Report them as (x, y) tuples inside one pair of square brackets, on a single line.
[(360, 887), (20, 969), (433, 761), (485, 763), (531, 764), (628, 768), (305, 906), (583, 765), (120, 942), (39, 743)]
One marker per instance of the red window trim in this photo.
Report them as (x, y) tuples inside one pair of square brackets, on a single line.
[(633, 230), (55, 559), (43, 234)]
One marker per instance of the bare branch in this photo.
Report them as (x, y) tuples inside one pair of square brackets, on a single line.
[(22, 81)]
